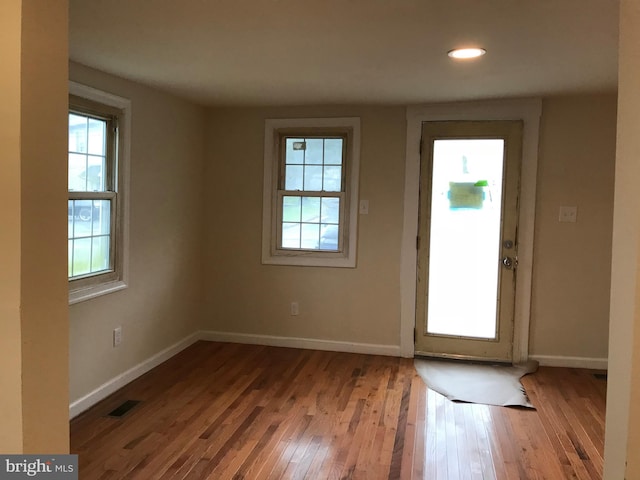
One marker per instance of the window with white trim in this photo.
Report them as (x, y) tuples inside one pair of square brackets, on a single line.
[(95, 204), (311, 191)]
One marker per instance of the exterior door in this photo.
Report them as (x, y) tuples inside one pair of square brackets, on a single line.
[(467, 244)]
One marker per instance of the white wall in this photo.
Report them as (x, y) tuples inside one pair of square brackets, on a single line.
[(166, 227)]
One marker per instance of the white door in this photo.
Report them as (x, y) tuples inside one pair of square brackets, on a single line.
[(467, 244)]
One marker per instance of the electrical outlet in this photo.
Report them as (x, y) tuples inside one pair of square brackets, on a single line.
[(568, 214), (294, 308), (117, 336)]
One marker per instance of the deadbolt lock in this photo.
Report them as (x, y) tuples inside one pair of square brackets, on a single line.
[(510, 262)]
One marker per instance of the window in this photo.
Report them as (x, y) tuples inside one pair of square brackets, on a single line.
[(96, 240), (311, 192)]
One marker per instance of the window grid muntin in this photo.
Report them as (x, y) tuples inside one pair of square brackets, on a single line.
[(303, 193), (110, 148), (320, 223), (106, 196), (90, 110), (284, 163)]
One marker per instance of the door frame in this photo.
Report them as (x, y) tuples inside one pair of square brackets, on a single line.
[(527, 110)]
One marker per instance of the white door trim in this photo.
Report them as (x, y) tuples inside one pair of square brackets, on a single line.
[(527, 110)]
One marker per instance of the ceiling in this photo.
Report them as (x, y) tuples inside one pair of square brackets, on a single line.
[(301, 52)]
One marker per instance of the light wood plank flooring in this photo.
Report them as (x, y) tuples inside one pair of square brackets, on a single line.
[(229, 411)]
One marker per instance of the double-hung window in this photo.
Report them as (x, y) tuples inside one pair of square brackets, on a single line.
[(311, 191), (95, 211)]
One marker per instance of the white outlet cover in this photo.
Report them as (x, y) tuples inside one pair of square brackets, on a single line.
[(568, 214)]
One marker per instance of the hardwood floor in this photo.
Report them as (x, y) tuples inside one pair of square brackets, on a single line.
[(229, 411)]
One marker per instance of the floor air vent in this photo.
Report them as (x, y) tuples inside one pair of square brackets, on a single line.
[(123, 409)]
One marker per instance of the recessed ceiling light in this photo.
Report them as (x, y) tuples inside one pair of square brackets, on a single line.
[(463, 53)]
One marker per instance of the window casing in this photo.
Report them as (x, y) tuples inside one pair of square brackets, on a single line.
[(96, 200), (311, 192)]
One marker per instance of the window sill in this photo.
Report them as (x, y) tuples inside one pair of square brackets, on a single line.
[(84, 294), (309, 260)]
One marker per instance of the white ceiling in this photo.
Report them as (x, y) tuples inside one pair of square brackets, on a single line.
[(292, 52)]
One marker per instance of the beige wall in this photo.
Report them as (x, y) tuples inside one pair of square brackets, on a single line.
[(171, 207), (338, 304), (622, 440), (166, 226), (44, 197), (196, 216), (10, 340), (572, 261), (33, 285)]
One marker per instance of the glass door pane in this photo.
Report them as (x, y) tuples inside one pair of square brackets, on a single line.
[(464, 250)]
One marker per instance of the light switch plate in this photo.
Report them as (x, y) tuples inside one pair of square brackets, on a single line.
[(364, 207)]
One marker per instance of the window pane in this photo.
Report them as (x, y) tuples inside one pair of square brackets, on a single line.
[(77, 133), (81, 256), (313, 154), (333, 151), (330, 210), (329, 237), (291, 209), (100, 254), (70, 217), (77, 172), (95, 174), (332, 179), (89, 236), (313, 178), (83, 211), (101, 217), (97, 135), (310, 235), (464, 243), (293, 177), (293, 153), (311, 209), (70, 257), (291, 235)]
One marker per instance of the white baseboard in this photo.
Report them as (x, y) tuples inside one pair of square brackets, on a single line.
[(106, 389), (103, 391), (305, 343), (571, 362)]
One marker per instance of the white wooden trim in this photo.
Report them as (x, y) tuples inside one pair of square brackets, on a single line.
[(306, 258), (87, 401), (99, 96), (528, 110), (103, 391), (304, 343), (571, 362), (124, 104), (93, 291)]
